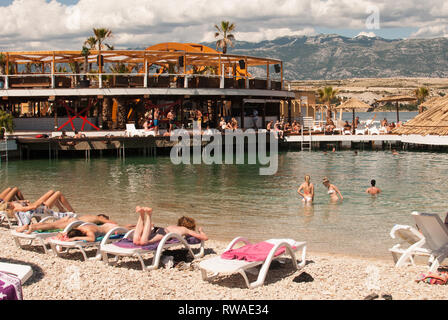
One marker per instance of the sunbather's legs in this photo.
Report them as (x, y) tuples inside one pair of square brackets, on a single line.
[(144, 226), (5, 193), (58, 199), (44, 198), (13, 194), (58, 224)]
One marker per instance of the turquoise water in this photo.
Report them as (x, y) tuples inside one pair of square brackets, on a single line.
[(232, 200)]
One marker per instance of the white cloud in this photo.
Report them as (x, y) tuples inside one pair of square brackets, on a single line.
[(41, 24), (366, 34)]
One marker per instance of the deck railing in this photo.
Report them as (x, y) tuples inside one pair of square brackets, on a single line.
[(135, 80)]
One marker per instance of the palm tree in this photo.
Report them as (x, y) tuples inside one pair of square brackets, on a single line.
[(101, 34), (327, 95), (85, 52), (2, 63), (227, 39), (421, 94)]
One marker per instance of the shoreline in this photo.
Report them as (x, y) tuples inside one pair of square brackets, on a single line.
[(334, 277)]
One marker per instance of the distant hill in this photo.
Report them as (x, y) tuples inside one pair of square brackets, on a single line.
[(329, 57)]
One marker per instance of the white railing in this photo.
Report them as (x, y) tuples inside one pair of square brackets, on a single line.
[(98, 80)]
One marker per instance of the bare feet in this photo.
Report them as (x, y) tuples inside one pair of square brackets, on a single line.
[(22, 228), (139, 209), (30, 229)]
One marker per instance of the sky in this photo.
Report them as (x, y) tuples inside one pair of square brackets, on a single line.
[(65, 24)]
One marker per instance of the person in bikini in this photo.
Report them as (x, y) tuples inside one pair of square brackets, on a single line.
[(145, 233), (44, 203), (308, 190), (333, 191)]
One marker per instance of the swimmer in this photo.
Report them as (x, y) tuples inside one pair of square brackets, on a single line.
[(394, 152), (333, 191), (373, 190), (308, 190)]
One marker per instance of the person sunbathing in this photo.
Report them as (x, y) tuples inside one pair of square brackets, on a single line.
[(145, 234), (11, 194), (44, 203), (64, 222), (88, 232)]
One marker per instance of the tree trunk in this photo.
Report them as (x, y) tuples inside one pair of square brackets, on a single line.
[(121, 113), (107, 113)]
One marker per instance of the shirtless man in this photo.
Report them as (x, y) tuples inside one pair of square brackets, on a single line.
[(308, 190), (171, 117), (90, 232), (373, 190), (64, 222), (145, 234), (156, 120)]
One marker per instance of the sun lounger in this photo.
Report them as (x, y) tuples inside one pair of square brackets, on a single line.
[(39, 236), (125, 247), (219, 265), (23, 272), (5, 218), (373, 130), (131, 131), (25, 218), (436, 237), (60, 247), (416, 246)]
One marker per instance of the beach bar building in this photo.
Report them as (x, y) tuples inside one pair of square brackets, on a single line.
[(94, 90)]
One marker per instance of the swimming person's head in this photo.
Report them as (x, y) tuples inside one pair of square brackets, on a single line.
[(373, 182), (307, 179), (186, 222), (325, 181)]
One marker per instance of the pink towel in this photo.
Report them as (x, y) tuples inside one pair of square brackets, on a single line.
[(252, 252)]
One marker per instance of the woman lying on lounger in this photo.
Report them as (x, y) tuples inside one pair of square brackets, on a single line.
[(43, 204), (145, 234)]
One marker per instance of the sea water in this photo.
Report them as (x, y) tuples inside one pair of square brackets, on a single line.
[(234, 200)]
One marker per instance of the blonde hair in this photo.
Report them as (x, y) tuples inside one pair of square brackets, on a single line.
[(307, 179)]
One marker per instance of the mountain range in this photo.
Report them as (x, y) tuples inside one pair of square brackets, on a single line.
[(330, 56)]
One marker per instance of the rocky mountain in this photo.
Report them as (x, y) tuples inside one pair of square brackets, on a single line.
[(332, 56)]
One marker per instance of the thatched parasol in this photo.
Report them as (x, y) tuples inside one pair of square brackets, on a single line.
[(353, 104), (429, 103), (433, 121), (397, 99)]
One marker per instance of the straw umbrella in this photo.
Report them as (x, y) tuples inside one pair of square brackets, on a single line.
[(433, 121), (429, 103), (397, 99), (353, 104)]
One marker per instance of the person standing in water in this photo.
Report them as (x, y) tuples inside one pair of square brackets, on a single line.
[(333, 191), (308, 190), (373, 190)]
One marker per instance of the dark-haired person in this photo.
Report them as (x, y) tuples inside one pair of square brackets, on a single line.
[(89, 232), (373, 190), (145, 234), (64, 222)]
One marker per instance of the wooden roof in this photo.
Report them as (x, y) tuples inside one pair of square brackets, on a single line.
[(353, 104), (433, 121)]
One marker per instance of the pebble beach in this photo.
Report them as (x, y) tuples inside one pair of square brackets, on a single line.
[(325, 277)]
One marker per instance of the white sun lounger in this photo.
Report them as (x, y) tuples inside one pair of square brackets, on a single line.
[(23, 272), (39, 237), (111, 249), (4, 218), (131, 131), (218, 265), (436, 237), (416, 247), (60, 247)]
